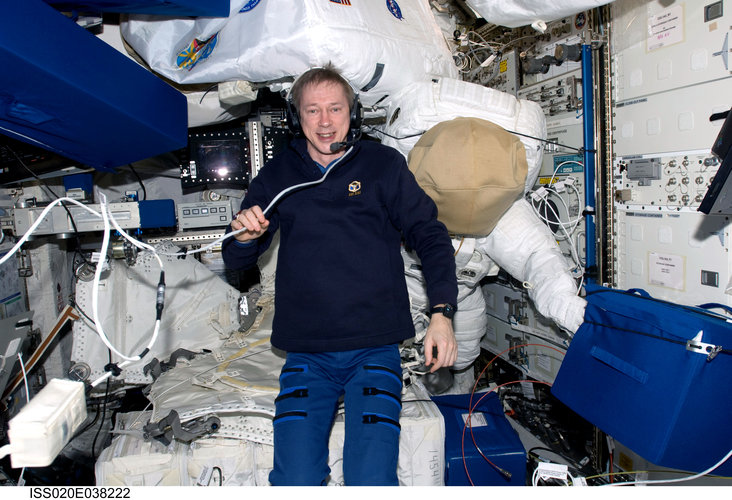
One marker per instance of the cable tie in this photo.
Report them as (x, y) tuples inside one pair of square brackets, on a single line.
[(548, 470), (113, 368), (579, 481), (539, 194)]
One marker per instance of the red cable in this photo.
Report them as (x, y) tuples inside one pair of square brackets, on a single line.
[(611, 468), (471, 407)]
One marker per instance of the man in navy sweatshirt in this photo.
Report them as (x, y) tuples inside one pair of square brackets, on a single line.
[(341, 302)]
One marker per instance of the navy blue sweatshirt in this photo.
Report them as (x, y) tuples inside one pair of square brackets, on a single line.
[(339, 283)]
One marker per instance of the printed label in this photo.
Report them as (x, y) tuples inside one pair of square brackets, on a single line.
[(666, 28)]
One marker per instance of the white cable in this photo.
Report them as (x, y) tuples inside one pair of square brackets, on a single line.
[(572, 249), (25, 378), (5, 451), (95, 291), (541, 195), (105, 215), (38, 221), (97, 279), (267, 209), (21, 482), (561, 165), (677, 480), (109, 374)]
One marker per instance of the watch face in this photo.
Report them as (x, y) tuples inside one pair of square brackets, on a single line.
[(448, 310)]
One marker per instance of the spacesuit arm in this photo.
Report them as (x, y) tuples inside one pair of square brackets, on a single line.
[(525, 247)]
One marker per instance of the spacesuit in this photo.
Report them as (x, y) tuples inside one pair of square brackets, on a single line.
[(502, 232)]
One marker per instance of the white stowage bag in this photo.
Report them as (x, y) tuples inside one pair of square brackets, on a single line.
[(200, 310), (421, 442), (209, 461), (421, 105), (379, 46), (515, 13), (205, 108)]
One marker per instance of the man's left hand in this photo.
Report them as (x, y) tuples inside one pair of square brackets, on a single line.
[(440, 335)]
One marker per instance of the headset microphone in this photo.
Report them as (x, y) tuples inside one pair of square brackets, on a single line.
[(337, 146)]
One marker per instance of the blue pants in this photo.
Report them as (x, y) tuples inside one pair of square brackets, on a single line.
[(310, 386)]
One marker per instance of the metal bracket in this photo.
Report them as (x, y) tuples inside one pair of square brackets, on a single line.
[(170, 427), (696, 345)]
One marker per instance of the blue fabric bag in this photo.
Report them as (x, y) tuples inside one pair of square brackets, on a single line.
[(654, 375)]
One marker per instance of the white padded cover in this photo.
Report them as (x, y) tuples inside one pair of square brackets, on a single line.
[(515, 13), (200, 310), (265, 41)]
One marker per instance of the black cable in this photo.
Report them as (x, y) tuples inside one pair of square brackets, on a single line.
[(83, 430), (554, 143), (104, 414), (76, 306), (207, 91), (221, 475), (372, 129), (144, 191)]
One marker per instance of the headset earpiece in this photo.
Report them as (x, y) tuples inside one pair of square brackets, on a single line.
[(293, 119), (356, 115)]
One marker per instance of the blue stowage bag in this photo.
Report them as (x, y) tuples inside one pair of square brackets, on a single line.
[(640, 370)]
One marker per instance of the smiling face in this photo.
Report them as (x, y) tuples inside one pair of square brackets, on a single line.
[(325, 119)]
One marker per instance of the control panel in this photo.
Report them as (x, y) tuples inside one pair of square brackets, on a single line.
[(203, 214)]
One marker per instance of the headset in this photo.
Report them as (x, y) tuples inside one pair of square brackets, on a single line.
[(293, 118)]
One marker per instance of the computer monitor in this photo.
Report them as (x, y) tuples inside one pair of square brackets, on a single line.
[(216, 158)]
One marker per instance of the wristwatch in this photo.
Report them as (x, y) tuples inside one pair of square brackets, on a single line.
[(448, 310)]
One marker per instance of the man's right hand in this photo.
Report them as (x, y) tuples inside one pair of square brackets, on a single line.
[(253, 220)]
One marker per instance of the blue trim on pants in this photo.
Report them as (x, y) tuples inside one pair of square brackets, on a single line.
[(310, 387)]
